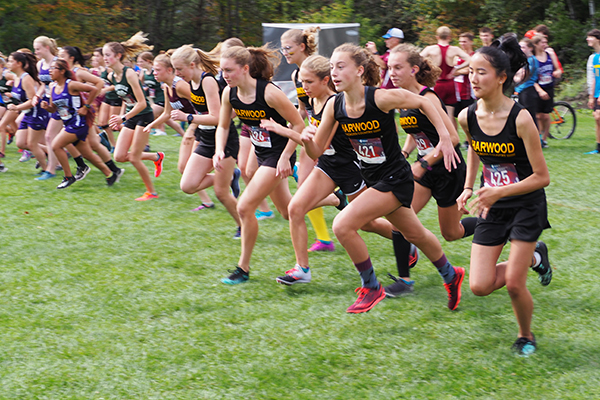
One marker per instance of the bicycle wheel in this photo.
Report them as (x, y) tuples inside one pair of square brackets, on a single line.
[(562, 121)]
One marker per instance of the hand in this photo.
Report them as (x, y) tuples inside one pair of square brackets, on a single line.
[(12, 107), (82, 110), (147, 128), (461, 202), (544, 95), (178, 115), (308, 133), (284, 169), (417, 170), (217, 158), (44, 104), (450, 157), (115, 122), (557, 74), (269, 124), (591, 102), (34, 100), (486, 198), (372, 47)]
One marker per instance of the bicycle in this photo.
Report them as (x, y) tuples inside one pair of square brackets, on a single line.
[(562, 121)]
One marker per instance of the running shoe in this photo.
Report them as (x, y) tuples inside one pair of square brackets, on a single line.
[(295, 172), (453, 288), (525, 346), (544, 270), (596, 151), (40, 173), (82, 172), (545, 144), (147, 148), (343, 199), (413, 257), (37, 165), (294, 275), (66, 182), (260, 215), (147, 196), (104, 140), (320, 246), (158, 132), (203, 206), (158, 164), (367, 299), (115, 177), (11, 137), (25, 156), (235, 183), (237, 276), (3, 168), (238, 233), (400, 287), (45, 176)]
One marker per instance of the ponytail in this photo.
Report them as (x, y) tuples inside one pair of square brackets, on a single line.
[(308, 37), (188, 55), (505, 56), (261, 61), (131, 47), (47, 42)]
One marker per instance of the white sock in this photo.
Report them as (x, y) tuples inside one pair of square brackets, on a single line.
[(537, 259)]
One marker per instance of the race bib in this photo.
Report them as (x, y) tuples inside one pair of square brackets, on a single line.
[(63, 113), (495, 175), (152, 92), (260, 137), (544, 80), (459, 79), (369, 151), (424, 145)]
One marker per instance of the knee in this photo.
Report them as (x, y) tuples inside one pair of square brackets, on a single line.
[(121, 157), (341, 229), (450, 235), (515, 289), (244, 210), (222, 193), (186, 188), (295, 211), (479, 289)]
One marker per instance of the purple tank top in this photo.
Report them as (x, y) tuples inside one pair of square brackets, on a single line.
[(180, 103), (67, 106)]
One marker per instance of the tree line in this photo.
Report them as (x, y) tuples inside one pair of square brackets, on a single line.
[(170, 23)]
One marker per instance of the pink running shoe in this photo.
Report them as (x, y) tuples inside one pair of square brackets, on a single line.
[(320, 246)]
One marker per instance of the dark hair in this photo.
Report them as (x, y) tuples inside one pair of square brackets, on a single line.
[(29, 61), (75, 52), (485, 29), (63, 65), (467, 35), (595, 33), (543, 29), (505, 56)]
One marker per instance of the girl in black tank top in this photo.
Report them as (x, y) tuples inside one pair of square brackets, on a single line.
[(192, 64), (364, 113), (511, 204), (318, 187), (410, 71), (247, 71)]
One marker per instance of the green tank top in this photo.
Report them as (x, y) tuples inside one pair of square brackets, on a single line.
[(153, 88), (112, 95), (125, 92)]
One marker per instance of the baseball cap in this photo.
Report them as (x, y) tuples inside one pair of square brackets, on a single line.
[(530, 34), (394, 32)]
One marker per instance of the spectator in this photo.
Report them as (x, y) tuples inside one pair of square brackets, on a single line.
[(393, 38)]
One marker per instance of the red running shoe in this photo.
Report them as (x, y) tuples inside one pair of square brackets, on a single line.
[(453, 288), (367, 299), (158, 164)]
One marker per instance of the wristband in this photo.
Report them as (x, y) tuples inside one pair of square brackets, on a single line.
[(425, 164), (87, 106), (405, 153), (190, 118), (124, 118), (468, 188)]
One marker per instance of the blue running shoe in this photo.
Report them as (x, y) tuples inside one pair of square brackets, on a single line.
[(260, 215), (237, 276), (295, 173), (238, 233), (593, 152), (45, 176), (235, 182), (524, 346)]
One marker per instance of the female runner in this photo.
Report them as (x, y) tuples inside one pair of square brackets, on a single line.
[(132, 138), (204, 92), (7, 120), (251, 95), (98, 69), (76, 63), (155, 93), (66, 100), (296, 46), (363, 112), (337, 166), (511, 203), (34, 122), (111, 104), (548, 69), (408, 70)]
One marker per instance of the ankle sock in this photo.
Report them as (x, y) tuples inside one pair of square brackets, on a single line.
[(445, 269)]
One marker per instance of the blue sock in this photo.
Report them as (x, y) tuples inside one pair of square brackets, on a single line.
[(367, 274), (445, 269)]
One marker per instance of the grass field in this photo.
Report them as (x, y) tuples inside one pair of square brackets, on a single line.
[(103, 297)]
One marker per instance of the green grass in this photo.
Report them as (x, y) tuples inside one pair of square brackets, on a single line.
[(102, 297)]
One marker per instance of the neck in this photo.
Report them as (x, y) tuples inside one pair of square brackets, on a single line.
[(443, 42), (414, 86), (299, 63), (322, 98), (48, 58), (117, 68), (597, 48), (494, 103), (197, 75), (355, 94), (248, 86), (61, 80)]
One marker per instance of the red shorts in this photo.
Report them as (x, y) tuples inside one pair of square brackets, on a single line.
[(448, 92)]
